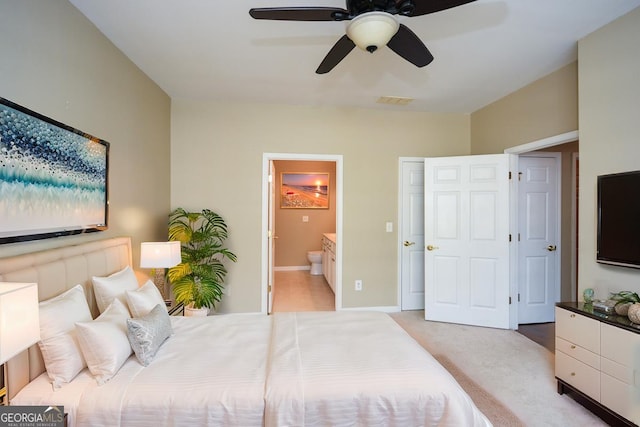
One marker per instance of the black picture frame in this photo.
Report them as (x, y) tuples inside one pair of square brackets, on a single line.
[(53, 178)]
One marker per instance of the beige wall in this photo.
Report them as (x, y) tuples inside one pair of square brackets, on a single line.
[(546, 107), (217, 151), (55, 62), (296, 237), (609, 136)]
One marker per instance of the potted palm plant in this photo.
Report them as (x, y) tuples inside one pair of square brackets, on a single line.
[(198, 281)]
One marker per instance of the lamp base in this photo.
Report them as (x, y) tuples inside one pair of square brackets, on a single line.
[(160, 283)]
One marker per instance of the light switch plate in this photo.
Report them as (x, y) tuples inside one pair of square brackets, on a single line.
[(305, 218), (389, 227)]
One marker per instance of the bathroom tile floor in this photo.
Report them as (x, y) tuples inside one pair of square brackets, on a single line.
[(299, 291)]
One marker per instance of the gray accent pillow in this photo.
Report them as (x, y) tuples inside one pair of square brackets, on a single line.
[(147, 333)]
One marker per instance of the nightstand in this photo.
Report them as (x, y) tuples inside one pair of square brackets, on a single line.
[(3, 388), (175, 309)]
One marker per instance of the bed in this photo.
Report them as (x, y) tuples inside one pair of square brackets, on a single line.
[(289, 369)]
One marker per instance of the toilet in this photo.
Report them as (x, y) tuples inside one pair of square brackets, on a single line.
[(315, 258)]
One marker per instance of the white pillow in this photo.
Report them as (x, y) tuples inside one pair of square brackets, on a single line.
[(147, 333), (142, 300), (106, 289), (58, 342), (104, 341)]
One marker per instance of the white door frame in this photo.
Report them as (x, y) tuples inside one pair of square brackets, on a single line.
[(575, 158), (522, 149), (264, 277)]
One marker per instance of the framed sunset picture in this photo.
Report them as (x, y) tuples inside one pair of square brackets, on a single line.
[(304, 190)]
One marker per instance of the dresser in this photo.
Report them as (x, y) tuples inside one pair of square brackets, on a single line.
[(598, 362)]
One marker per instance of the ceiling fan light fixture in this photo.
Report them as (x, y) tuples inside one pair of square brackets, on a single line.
[(371, 30)]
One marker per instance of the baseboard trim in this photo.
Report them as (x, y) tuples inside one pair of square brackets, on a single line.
[(292, 268)]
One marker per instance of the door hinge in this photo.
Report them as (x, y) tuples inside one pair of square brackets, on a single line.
[(518, 237), (509, 174), (519, 176), (269, 288), (518, 297), (509, 237), (509, 300)]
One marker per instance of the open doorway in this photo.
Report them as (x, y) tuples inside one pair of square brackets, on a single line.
[(297, 217), (560, 143), (568, 147)]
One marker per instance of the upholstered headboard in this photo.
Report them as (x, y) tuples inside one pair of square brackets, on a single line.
[(56, 270)]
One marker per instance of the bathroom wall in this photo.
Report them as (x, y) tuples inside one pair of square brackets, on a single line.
[(295, 237)]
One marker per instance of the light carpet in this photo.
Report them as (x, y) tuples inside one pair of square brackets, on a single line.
[(509, 377)]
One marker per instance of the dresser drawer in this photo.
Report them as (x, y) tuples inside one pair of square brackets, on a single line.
[(621, 397), (623, 373), (577, 352), (578, 329), (620, 346), (578, 374)]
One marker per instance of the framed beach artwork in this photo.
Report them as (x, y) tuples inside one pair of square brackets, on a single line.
[(303, 190), (53, 178)]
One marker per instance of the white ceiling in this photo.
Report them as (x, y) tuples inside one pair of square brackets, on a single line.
[(213, 49)]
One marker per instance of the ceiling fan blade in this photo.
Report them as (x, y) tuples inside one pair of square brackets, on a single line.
[(299, 13), (336, 54), (406, 44), (424, 7)]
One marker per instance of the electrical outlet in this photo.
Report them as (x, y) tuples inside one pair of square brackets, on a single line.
[(358, 285)]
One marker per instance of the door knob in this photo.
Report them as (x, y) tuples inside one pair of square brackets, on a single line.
[(551, 248), (431, 247), (408, 243)]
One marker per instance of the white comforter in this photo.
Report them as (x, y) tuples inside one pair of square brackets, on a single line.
[(289, 369), (210, 372), (358, 369)]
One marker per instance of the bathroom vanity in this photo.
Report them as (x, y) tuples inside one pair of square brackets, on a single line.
[(329, 259)]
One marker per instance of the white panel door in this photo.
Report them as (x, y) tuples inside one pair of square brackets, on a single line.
[(467, 240), (538, 246), (412, 234)]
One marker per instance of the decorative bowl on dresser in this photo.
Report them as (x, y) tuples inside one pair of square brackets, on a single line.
[(598, 361)]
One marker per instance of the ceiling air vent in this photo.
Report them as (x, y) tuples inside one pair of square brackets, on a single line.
[(394, 100)]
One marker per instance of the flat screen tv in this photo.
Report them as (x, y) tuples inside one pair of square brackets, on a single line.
[(53, 177), (618, 241)]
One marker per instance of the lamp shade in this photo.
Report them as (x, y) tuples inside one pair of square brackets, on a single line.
[(371, 30), (160, 254), (19, 319)]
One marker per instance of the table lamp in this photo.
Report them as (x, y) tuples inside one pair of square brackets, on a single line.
[(158, 256), (19, 321)]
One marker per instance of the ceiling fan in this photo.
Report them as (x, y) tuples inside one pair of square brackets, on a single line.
[(372, 25)]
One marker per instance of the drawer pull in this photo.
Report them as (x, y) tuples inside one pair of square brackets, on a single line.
[(573, 374), (573, 315), (573, 347)]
